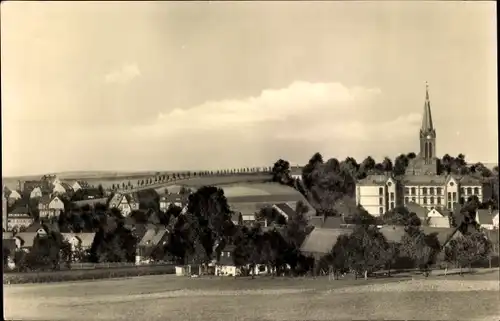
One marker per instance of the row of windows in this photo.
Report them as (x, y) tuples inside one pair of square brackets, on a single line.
[(381, 199), (469, 190), (424, 200), (431, 190), (439, 190)]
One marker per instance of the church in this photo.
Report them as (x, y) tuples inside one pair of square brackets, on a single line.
[(422, 183)]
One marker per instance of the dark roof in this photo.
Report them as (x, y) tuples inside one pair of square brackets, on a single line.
[(468, 180), (34, 227), (442, 233), (330, 222), (437, 180), (321, 241), (374, 180), (417, 209), (20, 210), (285, 208), (484, 217), (269, 199), (45, 200)]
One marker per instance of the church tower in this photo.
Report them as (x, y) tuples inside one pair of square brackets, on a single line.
[(428, 138)]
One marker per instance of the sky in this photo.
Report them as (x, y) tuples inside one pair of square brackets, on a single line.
[(129, 86)]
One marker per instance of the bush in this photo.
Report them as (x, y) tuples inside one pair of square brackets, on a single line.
[(75, 275)]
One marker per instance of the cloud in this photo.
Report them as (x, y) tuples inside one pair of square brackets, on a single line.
[(271, 106), (125, 74)]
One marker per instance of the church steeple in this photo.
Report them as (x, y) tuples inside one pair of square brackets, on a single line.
[(427, 125)]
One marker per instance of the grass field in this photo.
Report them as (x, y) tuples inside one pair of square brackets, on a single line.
[(474, 297)]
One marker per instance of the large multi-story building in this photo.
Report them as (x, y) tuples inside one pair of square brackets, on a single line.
[(422, 183)]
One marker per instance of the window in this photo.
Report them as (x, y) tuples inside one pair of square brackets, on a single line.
[(407, 199), (381, 201), (392, 196), (449, 205), (431, 190), (222, 254), (449, 196), (469, 190), (381, 210), (425, 200), (451, 184), (454, 196), (413, 200), (438, 190), (407, 191), (476, 190), (228, 254), (462, 190), (432, 200), (439, 200), (392, 205), (389, 184), (424, 191), (413, 190), (381, 191)]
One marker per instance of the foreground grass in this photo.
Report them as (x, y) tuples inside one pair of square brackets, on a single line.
[(178, 298)]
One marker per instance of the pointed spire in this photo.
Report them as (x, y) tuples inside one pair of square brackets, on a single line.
[(427, 117)]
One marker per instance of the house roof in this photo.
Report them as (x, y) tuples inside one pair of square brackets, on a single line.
[(66, 186), (393, 233), (483, 217), (436, 180), (153, 236), (442, 233), (285, 208), (321, 241), (492, 235), (86, 239), (267, 199), (20, 210), (374, 180), (330, 222), (82, 184), (34, 227), (28, 238), (439, 222), (45, 200), (417, 209), (115, 200), (7, 235), (468, 180)]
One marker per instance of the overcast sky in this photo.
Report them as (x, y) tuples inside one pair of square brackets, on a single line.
[(167, 86)]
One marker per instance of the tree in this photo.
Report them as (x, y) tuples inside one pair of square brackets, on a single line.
[(400, 165), (421, 249), (368, 250), (468, 249), (270, 215), (387, 164), (101, 190), (281, 172), (401, 216), (367, 166), (307, 171)]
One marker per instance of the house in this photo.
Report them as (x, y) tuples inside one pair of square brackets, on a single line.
[(172, 199), (78, 185), (484, 218), (495, 219), (61, 188), (439, 222), (285, 210), (36, 192), (11, 195), (225, 265), (24, 240), (49, 207), (321, 241), (4, 213), (296, 172), (237, 218), (79, 242), (377, 194), (152, 239), (19, 219), (126, 203)]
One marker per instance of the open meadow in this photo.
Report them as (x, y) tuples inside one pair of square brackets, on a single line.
[(167, 297)]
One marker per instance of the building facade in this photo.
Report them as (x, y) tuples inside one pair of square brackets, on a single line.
[(422, 183)]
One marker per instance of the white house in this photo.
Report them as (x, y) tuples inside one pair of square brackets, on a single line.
[(377, 194), (61, 188), (36, 192), (50, 207), (126, 203)]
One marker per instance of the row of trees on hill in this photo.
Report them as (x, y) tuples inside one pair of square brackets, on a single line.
[(157, 179)]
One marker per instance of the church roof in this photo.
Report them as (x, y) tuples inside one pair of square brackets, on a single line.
[(427, 124), (437, 180)]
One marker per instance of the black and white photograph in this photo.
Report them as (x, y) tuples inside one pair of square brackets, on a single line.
[(249, 160)]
